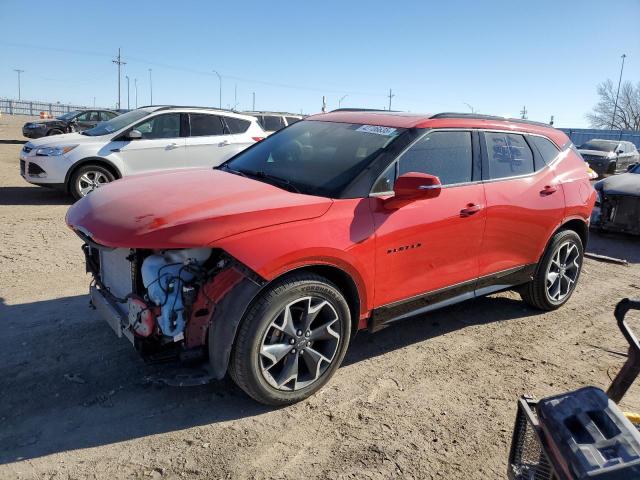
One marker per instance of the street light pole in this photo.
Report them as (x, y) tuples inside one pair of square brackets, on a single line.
[(128, 103), (150, 88), (19, 72), (341, 99), (615, 105), (220, 89), (135, 87), (470, 107), (253, 108)]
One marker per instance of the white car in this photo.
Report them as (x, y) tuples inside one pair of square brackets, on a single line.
[(144, 140)]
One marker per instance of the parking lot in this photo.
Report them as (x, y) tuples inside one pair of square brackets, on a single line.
[(432, 397)]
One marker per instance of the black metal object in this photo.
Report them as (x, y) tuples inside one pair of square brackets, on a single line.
[(630, 370)]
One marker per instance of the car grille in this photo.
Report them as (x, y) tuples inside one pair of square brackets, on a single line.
[(115, 273), (22, 167)]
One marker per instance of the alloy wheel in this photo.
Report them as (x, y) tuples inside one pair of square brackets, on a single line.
[(300, 343), (90, 180), (563, 271)]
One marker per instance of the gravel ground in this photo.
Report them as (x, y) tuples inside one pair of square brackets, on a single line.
[(433, 397)]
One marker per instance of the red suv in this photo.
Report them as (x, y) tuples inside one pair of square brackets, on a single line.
[(268, 265)]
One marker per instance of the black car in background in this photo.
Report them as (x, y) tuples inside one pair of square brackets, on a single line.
[(618, 204), (75, 121), (609, 156)]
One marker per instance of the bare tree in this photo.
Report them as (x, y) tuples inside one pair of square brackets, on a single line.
[(627, 112)]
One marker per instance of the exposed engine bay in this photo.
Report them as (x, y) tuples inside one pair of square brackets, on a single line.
[(162, 301), (619, 213)]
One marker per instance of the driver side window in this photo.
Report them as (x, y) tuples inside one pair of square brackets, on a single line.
[(161, 126), (83, 117)]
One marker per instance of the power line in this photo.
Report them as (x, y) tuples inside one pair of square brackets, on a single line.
[(118, 61), (615, 105)]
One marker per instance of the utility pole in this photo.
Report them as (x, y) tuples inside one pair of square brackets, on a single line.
[(150, 87), (341, 99), (235, 97), (253, 105), (324, 104), (391, 95), (615, 105), (19, 72), (220, 89), (118, 61), (135, 87), (128, 103), (94, 102), (523, 113)]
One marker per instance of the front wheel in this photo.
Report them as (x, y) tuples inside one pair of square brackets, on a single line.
[(88, 178), (557, 273), (291, 340)]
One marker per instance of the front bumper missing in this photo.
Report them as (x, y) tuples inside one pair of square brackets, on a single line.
[(110, 313)]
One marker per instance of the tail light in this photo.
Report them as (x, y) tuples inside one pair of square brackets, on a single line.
[(257, 139)]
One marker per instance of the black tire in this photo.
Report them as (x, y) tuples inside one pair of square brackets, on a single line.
[(246, 361), (536, 293), (54, 131), (98, 171)]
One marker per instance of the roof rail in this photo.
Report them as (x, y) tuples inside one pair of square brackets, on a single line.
[(197, 107), (477, 116), (362, 110)]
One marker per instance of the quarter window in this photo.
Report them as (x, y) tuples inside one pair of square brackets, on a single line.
[(204, 125), (162, 126), (237, 125), (292, 120), (546, 148), (272, 123), (508, 155), (446, 155)]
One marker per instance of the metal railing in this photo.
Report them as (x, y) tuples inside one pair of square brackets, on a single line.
[(27, 107)]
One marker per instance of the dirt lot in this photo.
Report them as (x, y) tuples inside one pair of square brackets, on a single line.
[(429, 398)]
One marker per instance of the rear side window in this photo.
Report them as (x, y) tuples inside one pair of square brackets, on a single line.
[(237, 125), (203, 125), (446, 155), (508, 155), (107, 116), (272, 123), (292, 120), (547, 149)]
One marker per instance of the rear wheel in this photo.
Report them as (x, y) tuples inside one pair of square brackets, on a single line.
[(292, 340), (557, 274), (54, 131), (88, 178)]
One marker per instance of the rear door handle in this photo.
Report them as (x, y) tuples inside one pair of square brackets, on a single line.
[(224, 143), (470, 209), (171, 146), (548, 190)]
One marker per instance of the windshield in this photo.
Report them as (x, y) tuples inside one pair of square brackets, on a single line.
[(68, 116), (117, 123), (600, 146), (314, 157)]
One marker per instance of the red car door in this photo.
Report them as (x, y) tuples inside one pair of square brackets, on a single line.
[(524, 203), (430, 244)]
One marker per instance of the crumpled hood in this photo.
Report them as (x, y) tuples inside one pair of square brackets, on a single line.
[(624, 184), (186, 208)]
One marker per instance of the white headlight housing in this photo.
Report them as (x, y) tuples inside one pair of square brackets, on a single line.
[(54, 151)]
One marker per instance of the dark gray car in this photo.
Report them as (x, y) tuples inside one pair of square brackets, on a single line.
[(75, 121), (609, 156), (618, 204)]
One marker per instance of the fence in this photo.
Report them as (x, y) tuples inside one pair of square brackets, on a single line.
[(27, 107), (580, 135)]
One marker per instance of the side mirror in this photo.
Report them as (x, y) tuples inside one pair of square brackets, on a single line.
[(631, 167), (134, 135), (619, 151), (413, 186)]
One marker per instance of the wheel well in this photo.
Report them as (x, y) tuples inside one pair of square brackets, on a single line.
[(345, 284), (578, 226), (95, 161)]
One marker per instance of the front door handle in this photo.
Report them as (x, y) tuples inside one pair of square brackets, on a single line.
[(224, 143), (470, 209), (171, 146), (548, 190)]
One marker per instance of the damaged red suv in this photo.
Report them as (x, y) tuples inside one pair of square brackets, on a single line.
[(266, 266)]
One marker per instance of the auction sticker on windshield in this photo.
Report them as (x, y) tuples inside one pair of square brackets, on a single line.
[(378, 130)]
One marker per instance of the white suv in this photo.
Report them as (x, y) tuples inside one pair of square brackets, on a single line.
[(144, 140), (273, 121)]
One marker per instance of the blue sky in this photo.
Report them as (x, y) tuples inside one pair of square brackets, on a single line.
[(436, 56)]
